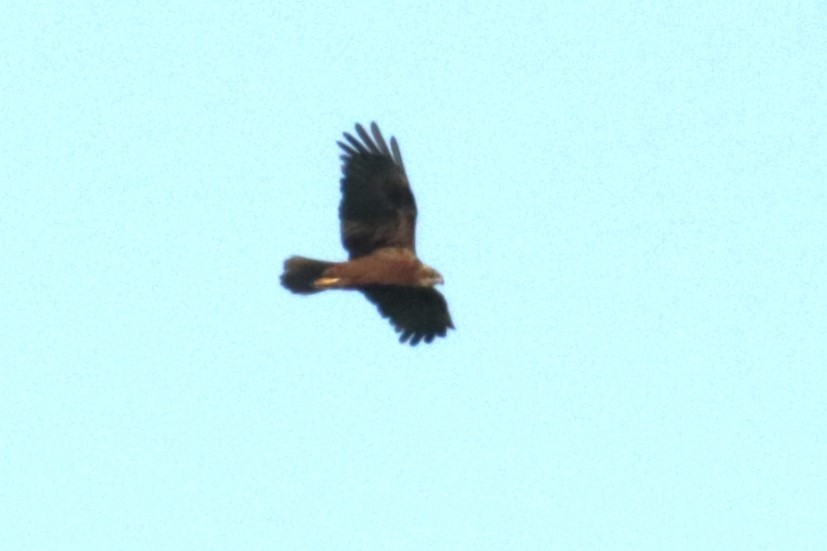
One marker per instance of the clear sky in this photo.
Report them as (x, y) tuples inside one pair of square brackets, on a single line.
[(628, 204)]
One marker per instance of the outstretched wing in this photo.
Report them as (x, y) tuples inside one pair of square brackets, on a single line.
[(377, 209), (419, 313)]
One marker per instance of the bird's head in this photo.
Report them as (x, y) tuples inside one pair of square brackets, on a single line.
[(428, 277)]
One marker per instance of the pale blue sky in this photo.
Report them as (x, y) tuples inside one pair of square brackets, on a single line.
[(627, 201)]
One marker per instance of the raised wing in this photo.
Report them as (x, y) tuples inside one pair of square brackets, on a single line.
[(418, 313), (377, 209)]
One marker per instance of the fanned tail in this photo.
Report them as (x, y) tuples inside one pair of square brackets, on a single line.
[(300, 273)]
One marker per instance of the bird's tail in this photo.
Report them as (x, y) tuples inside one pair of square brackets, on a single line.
[(300, 273)]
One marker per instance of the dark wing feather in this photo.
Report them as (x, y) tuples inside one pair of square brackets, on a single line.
[(418, 313), (377, 209)]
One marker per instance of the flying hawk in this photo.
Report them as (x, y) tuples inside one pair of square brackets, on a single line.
[(378, 223)]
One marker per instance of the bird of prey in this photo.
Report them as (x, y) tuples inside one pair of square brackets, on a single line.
[(378, 222)]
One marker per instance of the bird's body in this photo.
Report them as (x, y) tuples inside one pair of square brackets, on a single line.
[(378, 223), (387, 266)]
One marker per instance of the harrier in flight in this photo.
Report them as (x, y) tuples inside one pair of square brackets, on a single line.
[(378, 222)]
